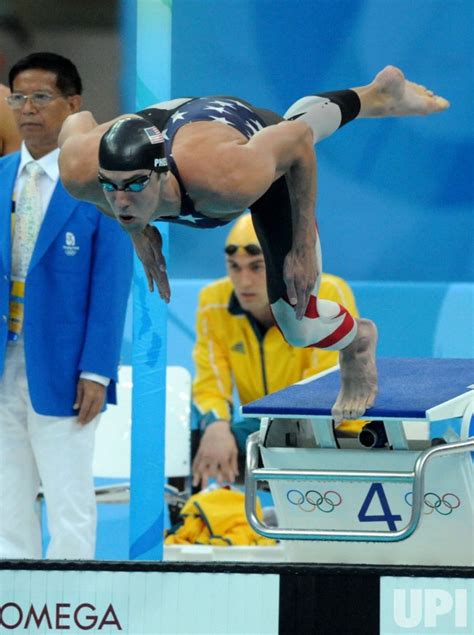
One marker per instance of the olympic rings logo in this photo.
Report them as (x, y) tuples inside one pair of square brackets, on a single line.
[(313, 499), (443, 505)]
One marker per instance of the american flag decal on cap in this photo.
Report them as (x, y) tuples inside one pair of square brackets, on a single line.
[(154, 135)]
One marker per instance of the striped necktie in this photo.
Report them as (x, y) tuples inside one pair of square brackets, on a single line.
[(29, 215)]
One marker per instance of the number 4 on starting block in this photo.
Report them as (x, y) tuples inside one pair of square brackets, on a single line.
[(376, 489)]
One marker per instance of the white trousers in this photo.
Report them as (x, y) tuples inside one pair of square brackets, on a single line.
[(54, 451)]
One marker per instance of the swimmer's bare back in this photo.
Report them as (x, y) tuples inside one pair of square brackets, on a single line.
[(225, 173)]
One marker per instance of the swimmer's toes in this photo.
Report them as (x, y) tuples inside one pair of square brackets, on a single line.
[(357, 413), (441, 103), (349, 409), (369, 403), (336, 412)]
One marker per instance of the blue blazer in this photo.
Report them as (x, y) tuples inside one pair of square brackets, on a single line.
[(76, 294)]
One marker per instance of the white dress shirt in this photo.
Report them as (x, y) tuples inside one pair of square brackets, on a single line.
[(47, 181)]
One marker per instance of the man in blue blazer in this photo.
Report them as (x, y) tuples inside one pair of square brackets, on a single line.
[(65, 272)]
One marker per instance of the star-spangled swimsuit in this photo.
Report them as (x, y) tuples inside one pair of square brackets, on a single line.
[(325, 324), (225, 110)]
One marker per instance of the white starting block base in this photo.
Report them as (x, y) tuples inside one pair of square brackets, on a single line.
[(444, 536), (385, 499)]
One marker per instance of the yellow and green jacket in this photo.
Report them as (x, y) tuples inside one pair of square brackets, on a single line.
[(217, 518), (231, 351)]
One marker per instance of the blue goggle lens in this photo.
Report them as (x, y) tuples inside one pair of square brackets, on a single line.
[(107, 187), (136, 186)]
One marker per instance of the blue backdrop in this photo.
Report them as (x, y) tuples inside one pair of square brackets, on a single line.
[(395, 196)]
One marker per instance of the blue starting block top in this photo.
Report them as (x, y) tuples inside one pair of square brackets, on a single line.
[(407, 389)]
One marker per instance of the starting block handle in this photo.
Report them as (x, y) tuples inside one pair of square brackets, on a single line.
[(253, 474)]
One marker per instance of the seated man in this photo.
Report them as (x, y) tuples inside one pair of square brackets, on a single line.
[(239, 345)]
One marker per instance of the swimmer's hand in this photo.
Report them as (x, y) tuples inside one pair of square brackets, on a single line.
[(148, 245), (300, 274)]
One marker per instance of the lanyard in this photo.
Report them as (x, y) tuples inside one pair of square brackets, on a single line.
[(17, 292)]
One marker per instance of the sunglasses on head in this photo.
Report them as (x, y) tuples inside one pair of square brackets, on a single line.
[(136, 185), (251, 249)]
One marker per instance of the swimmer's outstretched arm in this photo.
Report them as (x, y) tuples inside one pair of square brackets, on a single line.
[(77, 123), (78, 158), (148, 245), (79, 141)]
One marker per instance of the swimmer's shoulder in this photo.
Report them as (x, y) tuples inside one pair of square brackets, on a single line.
[(79, 141)]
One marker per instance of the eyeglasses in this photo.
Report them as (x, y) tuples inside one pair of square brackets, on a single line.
[(251, 249), (135, 185), (39, 98)]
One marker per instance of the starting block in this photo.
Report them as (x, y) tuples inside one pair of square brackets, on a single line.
[(385, 497)]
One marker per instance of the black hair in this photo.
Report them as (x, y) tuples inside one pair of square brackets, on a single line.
[(68, 80)]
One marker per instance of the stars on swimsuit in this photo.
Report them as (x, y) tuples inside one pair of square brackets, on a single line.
[(253, 125), (178, 115), (174, 118), (219, 109), (189, 218), (225, 111), (229, 110), (222, 120), (197, 220), (223, 104)]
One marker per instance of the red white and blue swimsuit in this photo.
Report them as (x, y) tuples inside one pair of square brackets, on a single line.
[(326, 324)]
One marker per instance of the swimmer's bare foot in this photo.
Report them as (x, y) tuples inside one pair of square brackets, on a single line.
[(391, 95), (358, 374)]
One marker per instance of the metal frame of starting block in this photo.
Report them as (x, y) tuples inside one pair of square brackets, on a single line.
[(410, 390)]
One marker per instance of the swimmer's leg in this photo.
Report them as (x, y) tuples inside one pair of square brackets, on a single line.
[(358, 374), (326, 112), (326, 324), (388, 95)]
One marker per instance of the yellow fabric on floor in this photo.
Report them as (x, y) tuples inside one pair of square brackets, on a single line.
[(217, 518)]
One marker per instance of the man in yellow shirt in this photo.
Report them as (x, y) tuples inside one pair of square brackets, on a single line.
[(238, 345)]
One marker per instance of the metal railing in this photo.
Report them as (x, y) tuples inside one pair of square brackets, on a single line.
[(416, 477)]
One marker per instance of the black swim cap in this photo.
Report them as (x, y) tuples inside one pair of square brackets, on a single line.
[(133, 143)]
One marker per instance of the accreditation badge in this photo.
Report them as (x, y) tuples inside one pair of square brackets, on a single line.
[(17, 309)]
